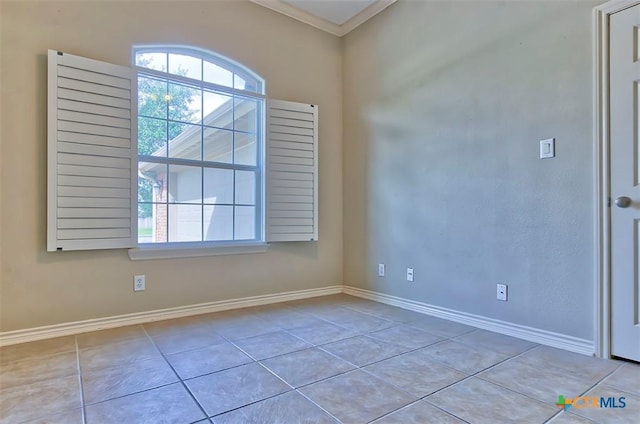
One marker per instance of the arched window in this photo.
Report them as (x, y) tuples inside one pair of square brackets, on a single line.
[(200, 147), (199, 65)]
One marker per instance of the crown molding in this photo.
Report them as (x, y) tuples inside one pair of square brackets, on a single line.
[(320, 23)]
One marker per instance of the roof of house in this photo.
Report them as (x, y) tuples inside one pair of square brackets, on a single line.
[(218, 124)]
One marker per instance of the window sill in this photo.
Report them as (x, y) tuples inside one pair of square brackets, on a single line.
[(193, 250)]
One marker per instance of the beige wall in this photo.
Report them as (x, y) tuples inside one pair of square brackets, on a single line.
[(299, 63), (444, 105)]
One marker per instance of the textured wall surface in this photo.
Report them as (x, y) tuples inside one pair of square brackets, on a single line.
[(430, 116), (444, 105), (298, 62)]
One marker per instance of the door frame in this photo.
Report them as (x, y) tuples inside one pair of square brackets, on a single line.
[(602, 183)]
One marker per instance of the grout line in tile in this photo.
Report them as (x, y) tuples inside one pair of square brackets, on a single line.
[(381, 360), (326, 321), (520, 393), (599, 381), (357, 367), (184, 386), (469, 376), (324, 379), (82, 404), (575, 415), (496, 350), (316, 404), (182, 381), (132, 393), (211, 417), (625, 391), (349, 362), (130, 361), (308, 341), (302, 310), (552, 365), (537, 400), (135, 392), (584, 418), (215, 372), (311, 345), (38, 357), (415, 402), (609, 374), (276, 375), (364, 369), (228, 339), (421, 398), (314, 345), (524, 394), (361, 368), (408, 323), (317, 381), (444, 339), (426, 398), (507, 388), (243, 351), (374, 314), (553, 416)]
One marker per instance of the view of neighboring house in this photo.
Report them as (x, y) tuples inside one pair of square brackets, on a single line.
[(191, 205)]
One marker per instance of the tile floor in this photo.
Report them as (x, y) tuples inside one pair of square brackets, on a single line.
[(324, 360)]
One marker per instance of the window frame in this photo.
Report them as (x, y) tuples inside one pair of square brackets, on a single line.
[(169, 249), (92, 108)]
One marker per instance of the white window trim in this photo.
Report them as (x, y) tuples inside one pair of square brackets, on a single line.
[(170, 250), (178, 250)]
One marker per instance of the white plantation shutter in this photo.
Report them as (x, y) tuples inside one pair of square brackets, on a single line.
[(292, 171), (92, 154)]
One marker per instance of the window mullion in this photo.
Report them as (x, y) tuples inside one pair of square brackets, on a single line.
[(233, 159), (167, 79), (194, 82), (193, 162), (166, 167), (202, 237)]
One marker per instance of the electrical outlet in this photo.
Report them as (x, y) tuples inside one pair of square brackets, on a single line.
[(547, 148), (501, 292), (138, 283), (381, 270), (410, 274)]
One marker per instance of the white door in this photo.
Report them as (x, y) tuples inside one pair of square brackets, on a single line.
[(625, 182)]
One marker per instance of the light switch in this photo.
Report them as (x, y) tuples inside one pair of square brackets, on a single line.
[(547, 148)]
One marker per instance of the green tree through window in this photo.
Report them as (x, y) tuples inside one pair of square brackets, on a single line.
[(153, 102), (200, 142)]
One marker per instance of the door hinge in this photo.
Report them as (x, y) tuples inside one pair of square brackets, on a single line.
[(609, 202)]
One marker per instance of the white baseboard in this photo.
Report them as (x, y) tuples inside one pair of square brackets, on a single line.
[(71, 328), (561, 341)]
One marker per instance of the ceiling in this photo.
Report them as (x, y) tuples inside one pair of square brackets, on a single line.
[(337, 12), (337, 17)]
